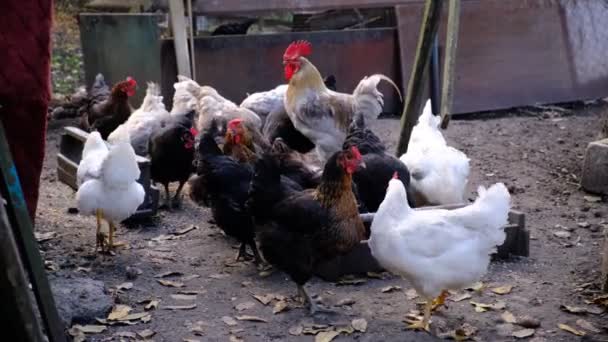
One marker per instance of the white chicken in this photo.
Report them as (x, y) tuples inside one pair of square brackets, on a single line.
[(213, 105), (144, 121), (438, 172), (438, 249), (265, 102), (107, 183)]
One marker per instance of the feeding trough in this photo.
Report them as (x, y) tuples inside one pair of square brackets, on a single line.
[(70, 154), (361, 261)]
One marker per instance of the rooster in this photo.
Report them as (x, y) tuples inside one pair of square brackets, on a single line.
[(321, 114), (300, 229), (107, 183), (107, 115), (439, 172), (438, 249), (144, 121)]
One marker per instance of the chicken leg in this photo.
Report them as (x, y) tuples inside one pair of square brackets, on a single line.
[(425, 323), (99, 235), (111, 236), (439, 301), (312, 306), (242, 253), (176, 202)]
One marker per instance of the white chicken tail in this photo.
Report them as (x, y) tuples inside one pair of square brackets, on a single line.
[(120, 167), (490, 213), (152, 101), (368, 99), (427, 117)]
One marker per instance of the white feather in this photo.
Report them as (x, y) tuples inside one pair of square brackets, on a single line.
[(438, 171), (439, 249), (93, 154), (265, 102)]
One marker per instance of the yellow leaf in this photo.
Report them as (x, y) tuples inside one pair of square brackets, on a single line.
[(326, 336), (279, 307), (502, 290), (118, 312), (524, 333), (152, 305), (251, 318), (170, 283), (478, 286), (460, 297), (570, 329)]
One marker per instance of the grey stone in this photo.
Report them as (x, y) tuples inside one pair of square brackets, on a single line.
[(595, 168), (80, 300)]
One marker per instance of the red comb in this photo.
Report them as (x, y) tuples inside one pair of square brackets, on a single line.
[(235, 122), (356, 152), (395, 175), (297, 49), (194, 131), (131, 81)]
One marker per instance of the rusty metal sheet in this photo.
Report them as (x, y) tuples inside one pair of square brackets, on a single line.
[(514, 53), (237, 65)]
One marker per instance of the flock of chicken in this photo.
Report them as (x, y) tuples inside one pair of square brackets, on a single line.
[(252, 171)]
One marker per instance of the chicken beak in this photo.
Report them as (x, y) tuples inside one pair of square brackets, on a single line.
[(362, 165)]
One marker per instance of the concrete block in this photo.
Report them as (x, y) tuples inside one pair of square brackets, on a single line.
[(595, 168)]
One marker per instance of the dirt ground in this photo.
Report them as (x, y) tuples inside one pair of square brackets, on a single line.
[(538, 155)]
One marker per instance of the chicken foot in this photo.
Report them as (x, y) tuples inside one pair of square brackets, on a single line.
[(99, 243), (177, 200), (313, 307), (425, 323), (167, 202), (440, 300), (242, 253)]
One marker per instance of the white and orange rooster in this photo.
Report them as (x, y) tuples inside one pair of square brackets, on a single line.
[(320, 114), (438, 249), (438, 172), (107, 183)]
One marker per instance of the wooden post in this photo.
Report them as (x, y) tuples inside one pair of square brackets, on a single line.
[(17, 309), (180, 38), (451, 43), (434, 70), (192, 59), (413, 103), (19, 218)]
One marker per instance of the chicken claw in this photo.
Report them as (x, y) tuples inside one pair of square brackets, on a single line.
[(425, 323), (440, 300), (312, 306), (418, 325), (99, 235)]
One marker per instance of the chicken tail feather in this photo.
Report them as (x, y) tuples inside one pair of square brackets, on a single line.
[(368, 99)]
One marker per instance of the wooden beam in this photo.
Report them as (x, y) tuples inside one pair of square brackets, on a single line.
[(17, 309), (192, 19), (241, 6), (413, 102), (23, 230), (180, 38), (451, 44)]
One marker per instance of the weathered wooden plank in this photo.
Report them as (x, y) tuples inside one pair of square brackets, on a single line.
[(447, 92), (17, 309), (241, 6), (413, 102), (23, 232), (121, 45), (180, 38)]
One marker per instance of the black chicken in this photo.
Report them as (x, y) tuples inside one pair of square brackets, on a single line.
[(380, 166), (299, 229), (171, 152), (233, 28)]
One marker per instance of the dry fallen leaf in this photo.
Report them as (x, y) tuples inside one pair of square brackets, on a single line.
[(265, 299), (562, 234), (134, 316), (42, 237), (375, 275), (482, 307), (251, 319), (190, 340), (508, 317), (326, 336), (296, 330), (191, 292), (170, 283), (244, 306), (390, 288), (524, 333), (478, 286), (346, 282), (180, 307), (502, 290), (346, 301), (168, 274), (152, 305), (315, 329), (587, 326), (218, 276), (279, 307), (180, 296), (118, 312), (146, 334), (460, 297), (124, 286), (87, 329), (185, 230), (566, 327), (359, 324), (573, 309), (235, 339), (197, 328), (190, 277), (592, 199), (229, 321)]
